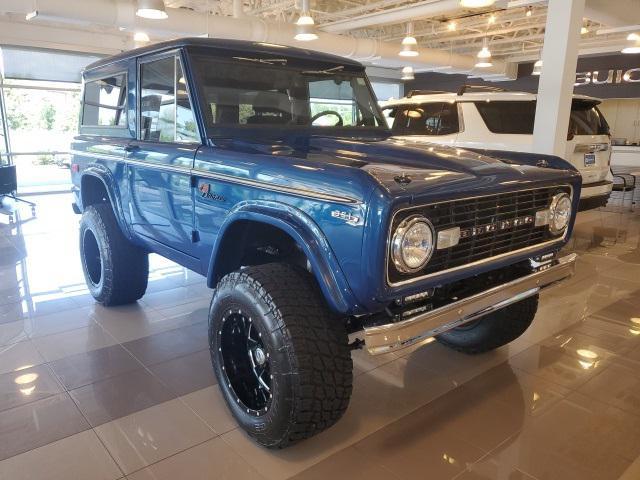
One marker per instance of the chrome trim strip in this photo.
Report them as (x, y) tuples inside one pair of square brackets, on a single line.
[(477, 262), (98, 156), (299, 192), (394, 336), (168, 168)]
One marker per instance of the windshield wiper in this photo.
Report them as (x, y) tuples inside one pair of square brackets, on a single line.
[(328, 71), (268, 61)]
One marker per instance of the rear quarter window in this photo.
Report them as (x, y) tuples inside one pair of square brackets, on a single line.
[(508, 117), (105, 102)]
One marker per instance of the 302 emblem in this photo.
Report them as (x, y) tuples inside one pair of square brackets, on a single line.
[(205, 191), (346, 216)]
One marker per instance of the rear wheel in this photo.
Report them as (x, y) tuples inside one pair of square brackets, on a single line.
[(115, 270), (281, 358), (493, 330)]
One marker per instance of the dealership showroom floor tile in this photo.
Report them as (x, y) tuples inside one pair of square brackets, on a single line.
[(128, 392)]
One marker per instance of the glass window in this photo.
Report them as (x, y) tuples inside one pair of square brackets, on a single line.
[(105, 102), (586, 119), (166, 114), (508, 117), (186, 128), (273, 93), (435, 118), (386, 91)]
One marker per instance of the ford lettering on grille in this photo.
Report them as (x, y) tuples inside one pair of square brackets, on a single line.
[(496, 226)]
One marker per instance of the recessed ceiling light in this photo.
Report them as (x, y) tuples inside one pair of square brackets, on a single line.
[(409, 43), (407, 73), (484, 55), (151, 9), (305, 26), (476, 3), (140, 37), (633, 44)]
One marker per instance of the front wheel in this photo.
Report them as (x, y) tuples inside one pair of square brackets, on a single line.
[(282, 360), (116, 271), (493, 330)]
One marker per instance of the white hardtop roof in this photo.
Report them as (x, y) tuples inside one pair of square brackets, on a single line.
[(471, 97)]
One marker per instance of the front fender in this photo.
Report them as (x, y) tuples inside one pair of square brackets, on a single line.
[(304, 231), (105, 175)]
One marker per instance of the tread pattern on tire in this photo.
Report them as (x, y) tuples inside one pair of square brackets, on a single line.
[(497, 329), (317, 345), (126, 274)]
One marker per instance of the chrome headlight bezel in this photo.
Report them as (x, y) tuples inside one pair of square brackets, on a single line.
[(553, 207), (397, 240)]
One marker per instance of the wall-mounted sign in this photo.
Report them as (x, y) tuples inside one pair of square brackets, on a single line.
[(608, 77)]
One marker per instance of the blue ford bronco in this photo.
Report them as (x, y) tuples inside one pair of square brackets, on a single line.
[(271, 171)]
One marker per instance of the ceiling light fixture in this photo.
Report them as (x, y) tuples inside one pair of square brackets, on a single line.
[(484, 55), (407, 74), (140, 37), (633, 44), (31, 15), (305, 26), (151, 9), (476, 3), (409, 43)]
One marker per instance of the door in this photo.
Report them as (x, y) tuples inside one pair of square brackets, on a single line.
[(159, 161)]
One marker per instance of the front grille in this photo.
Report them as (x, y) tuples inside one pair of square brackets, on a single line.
[(478, 213)]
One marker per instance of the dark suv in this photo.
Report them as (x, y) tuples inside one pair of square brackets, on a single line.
[(270, 170)]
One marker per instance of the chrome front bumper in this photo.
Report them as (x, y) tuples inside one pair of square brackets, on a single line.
[(394, 336)]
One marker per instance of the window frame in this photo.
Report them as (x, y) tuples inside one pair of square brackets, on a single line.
[(177, 59), (125, 106)]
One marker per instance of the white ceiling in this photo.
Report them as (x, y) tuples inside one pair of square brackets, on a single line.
[(374, 27)]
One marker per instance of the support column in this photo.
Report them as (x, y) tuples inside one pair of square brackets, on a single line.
[(559, 60)]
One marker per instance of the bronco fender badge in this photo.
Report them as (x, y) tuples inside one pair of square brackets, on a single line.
[(346, 216), (205, 190)]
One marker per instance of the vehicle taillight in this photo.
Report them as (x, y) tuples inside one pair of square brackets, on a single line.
[(75, 168)]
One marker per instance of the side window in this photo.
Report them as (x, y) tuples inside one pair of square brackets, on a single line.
[(105, 102), (508, 117), (186, 127), (166, 114), (436, 118)]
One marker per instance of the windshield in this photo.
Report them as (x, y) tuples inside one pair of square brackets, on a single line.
[(269, 93)]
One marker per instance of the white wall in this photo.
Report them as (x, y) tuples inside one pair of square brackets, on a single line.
[(623, 116)]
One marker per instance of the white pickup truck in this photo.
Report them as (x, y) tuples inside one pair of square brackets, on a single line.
[(488, 118)]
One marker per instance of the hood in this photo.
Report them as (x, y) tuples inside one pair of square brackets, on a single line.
[(403, 168)]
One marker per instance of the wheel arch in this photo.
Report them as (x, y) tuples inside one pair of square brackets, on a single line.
[(97, 185), (297, 226)]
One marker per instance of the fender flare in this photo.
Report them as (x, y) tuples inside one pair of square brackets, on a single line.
[(105, 175), (306, 233)]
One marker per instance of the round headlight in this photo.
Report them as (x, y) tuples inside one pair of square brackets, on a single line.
[(559, 213), (412, 244)]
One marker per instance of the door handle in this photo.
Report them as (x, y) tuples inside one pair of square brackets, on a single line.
[(131, 148)]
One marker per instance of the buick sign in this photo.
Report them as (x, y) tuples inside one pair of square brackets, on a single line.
[(608, 77)]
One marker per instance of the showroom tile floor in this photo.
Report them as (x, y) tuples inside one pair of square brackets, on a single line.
[(88, 392)]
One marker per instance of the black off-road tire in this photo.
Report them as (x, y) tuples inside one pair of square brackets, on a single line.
[(493, 330), (116, 271), (309, 367)]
